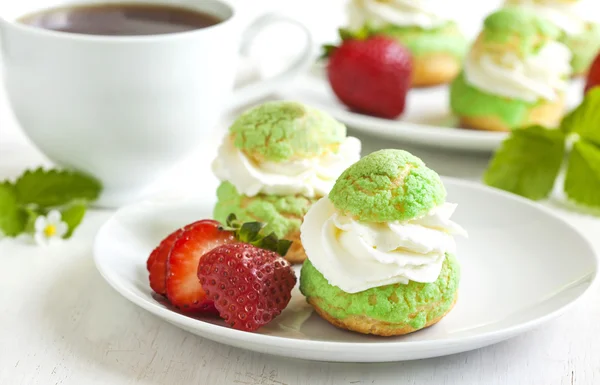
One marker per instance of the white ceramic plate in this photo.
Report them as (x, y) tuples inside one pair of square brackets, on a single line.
[(427, 119), (521, 266)]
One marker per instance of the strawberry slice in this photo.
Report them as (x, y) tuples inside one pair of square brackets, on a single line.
[(151, 259), (157, 263), (183, 287)]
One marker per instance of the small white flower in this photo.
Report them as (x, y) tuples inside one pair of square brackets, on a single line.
[(49, 228)]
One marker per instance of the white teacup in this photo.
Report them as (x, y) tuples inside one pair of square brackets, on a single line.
[(125, 109)]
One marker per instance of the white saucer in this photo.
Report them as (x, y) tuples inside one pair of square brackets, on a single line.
[(426, 121), (521, 266)]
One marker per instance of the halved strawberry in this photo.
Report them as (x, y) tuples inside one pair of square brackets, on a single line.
[(157, 263), (151, 258), (183, 287)]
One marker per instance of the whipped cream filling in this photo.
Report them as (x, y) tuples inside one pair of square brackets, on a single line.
[(356, 256), (312, 177), (571, 17), (542, 75), (404, 13)]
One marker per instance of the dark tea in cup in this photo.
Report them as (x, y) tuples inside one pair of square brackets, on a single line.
[(121, 19)]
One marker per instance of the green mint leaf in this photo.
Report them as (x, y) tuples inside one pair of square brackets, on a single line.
[(568, 121), (582, 182), (72, 215), (268, 243), (283, 246), (528, 162), (328, 50), (47, 188), (32, 215), (231, 218), (363, 33), (360, 34), (232, 222), (13, 218), (345, 34), (250, 232), (585, 119)]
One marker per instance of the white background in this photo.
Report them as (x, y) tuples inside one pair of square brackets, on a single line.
[(60, 323)]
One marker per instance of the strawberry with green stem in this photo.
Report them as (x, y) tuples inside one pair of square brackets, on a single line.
[(174, 264), (250, 282), (370, 74)]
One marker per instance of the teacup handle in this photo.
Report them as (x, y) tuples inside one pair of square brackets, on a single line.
[(248, 93)]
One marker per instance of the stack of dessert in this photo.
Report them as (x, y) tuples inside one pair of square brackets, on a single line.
[(515, 73), (374, 235)]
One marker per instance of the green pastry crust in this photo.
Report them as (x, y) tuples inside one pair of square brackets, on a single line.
[(398, 304), (519, 28), (420, 41), (584, 47), (281, 214), (281, 131), (466, 100), (386, 186)]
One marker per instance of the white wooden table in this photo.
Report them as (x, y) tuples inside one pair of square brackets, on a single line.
[(60, 323)]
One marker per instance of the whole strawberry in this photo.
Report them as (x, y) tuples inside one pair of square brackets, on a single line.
[(370, 74), (249, 285)]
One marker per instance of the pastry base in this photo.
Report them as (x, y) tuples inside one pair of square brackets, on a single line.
[(368, 325), (546, 114), (435, 69), (296, 253)]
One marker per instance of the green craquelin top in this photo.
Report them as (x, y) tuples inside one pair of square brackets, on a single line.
[(281, 131), (521, 26), (386, 186), (446, 38)]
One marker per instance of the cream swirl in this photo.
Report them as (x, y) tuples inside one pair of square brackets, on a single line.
[(403, 13), (357, 256), (542, 75), (312, 177), (571, 17)]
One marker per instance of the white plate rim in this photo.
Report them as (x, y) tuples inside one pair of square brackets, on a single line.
[(425, 135), (206, 328), (452, 137)]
